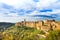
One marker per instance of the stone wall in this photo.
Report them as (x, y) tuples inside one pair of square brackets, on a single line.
[(40, 25)]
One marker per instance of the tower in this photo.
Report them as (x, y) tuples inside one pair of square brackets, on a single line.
[(24, 22)]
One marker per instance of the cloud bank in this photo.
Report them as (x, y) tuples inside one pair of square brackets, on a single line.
[(17, 10)]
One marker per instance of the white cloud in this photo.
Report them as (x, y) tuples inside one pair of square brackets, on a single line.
[(2, 14), (28, 5), (17, 19), (17, 3), (45, 3), (24, 3), (13, 14), (11, 19)]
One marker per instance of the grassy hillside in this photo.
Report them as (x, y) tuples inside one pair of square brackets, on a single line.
[(22, 33), (27, 33)]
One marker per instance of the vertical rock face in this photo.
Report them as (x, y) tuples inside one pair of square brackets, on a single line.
[(40, 25)]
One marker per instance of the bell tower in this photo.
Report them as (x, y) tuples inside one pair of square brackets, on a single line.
[(24, 22)]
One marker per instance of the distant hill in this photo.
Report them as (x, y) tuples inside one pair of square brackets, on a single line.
[(5, 25)]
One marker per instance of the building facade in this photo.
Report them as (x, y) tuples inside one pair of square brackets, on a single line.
[(40, 25)]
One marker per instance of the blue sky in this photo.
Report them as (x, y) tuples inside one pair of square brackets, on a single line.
[(31, 10)]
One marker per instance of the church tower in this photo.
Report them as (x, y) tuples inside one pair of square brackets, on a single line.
[(24, 22)]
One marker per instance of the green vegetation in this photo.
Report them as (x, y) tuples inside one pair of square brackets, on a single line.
[(27, 33), (22, 33), (54, 35)]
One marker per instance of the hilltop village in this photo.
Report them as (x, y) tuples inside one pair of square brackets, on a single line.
[(45, 25), (32, 30)]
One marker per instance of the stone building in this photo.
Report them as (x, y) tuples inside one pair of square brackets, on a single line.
[(40, 25)]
